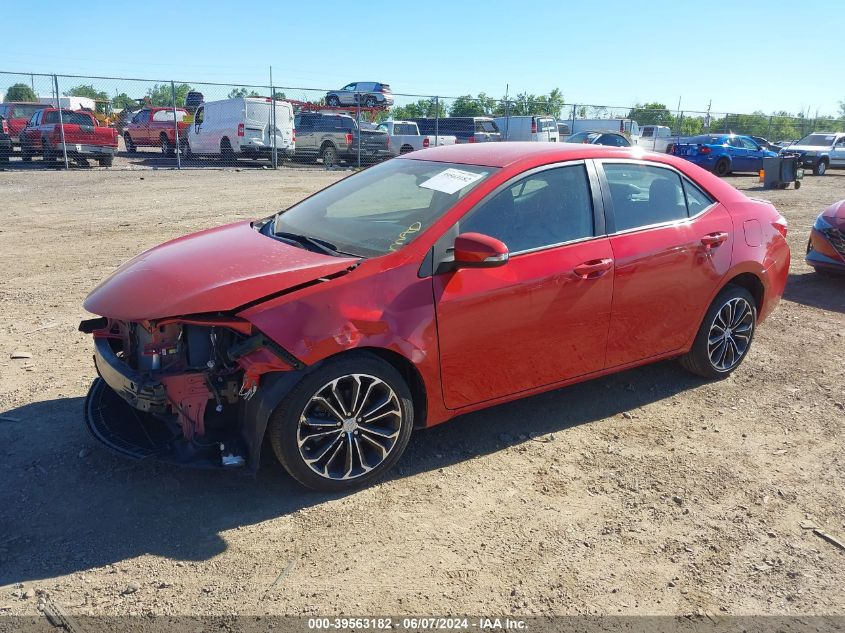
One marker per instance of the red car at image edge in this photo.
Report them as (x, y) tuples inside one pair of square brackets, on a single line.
[(442, 282)]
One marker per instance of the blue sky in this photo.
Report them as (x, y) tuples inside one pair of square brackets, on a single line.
[(602, 52)]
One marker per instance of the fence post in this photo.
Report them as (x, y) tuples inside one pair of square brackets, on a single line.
[(273, 121), (178, 148), (436, 120), (572, 123), (61, 119), (358, 118), (507, 119)]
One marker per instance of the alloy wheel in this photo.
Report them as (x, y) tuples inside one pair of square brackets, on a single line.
[(730, 334), (349, 427)]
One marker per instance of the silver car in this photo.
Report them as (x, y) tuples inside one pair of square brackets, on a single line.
[(366, 93)]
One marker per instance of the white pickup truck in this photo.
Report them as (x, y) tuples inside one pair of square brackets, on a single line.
[(405, 137), (657, 138)]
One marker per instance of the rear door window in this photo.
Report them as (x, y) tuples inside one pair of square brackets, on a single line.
[(644, 195)]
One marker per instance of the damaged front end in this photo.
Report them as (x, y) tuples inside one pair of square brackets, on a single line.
[(183, 389)]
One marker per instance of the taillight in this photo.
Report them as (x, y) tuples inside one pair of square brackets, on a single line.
[(704, 150), (426, 142), (471, 139), (533, 126), (780, 225), (294, 135), (240, 129), (349, 138), (5, 127)]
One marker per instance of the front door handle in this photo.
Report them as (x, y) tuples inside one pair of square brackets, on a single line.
[(713, 240), (593, 268)]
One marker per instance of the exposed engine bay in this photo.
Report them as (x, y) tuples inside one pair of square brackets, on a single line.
[(192, 376)]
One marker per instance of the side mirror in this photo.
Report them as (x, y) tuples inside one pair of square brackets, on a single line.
[(474, 250)]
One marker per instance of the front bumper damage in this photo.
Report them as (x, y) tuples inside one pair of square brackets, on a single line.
[(193, 392)]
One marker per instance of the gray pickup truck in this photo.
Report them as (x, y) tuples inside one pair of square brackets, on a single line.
[(334, 137)]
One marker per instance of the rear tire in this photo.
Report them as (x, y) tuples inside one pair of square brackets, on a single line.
[(722, 168), (332, 101), (406, 149), (167, 148), (227, 154), (329, 155), (106, 161), (130, 145), (186, 151), (725, 335), (820, 168), (370, 102), (26, 154), (316, 454)]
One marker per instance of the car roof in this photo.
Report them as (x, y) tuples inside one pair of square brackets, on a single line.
[(506, 154)]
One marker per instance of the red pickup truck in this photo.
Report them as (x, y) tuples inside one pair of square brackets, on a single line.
[(17, 114), (83, 137), (153, 127)]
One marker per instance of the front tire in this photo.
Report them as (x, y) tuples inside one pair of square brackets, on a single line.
[(106, 161), (344, 425), (130, 145), (332, 101), (725, 335)]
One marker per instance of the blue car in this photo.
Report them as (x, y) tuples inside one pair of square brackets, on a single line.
[(723, 153)]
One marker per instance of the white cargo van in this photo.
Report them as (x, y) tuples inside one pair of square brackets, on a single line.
[(528, 128), (629, 127), (240, 128)]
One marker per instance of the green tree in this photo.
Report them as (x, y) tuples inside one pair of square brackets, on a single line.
[(527, 104), (467, 105), (651, 114), (123, 101), (161, 95), (242, 92), (842, 109), (87, 90), (421, 108), (21, 92)]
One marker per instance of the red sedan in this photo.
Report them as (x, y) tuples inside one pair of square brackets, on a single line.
[(443, 282)]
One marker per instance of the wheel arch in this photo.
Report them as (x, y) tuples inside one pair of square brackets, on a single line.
[(275, 387), (752, 283)]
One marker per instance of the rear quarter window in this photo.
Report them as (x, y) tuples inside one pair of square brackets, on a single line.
[(644, 195)]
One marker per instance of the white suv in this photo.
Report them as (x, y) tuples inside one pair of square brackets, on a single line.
[(820, 150)]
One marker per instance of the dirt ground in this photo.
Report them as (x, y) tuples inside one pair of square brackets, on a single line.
[(649, 492)]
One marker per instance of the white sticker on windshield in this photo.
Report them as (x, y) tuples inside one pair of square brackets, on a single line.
[(451, 180)]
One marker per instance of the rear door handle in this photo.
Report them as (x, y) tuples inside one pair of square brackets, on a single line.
[(712, 240), (593, 268)]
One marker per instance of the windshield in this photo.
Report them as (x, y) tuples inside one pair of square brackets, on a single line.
[(382, 208), (706, 139), (584, 137), (820, 140)]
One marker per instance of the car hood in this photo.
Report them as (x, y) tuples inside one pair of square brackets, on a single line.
[(806, 148), (216, 270), (835, 215)]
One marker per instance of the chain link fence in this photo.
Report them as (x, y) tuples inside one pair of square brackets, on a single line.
[(180, 124)]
